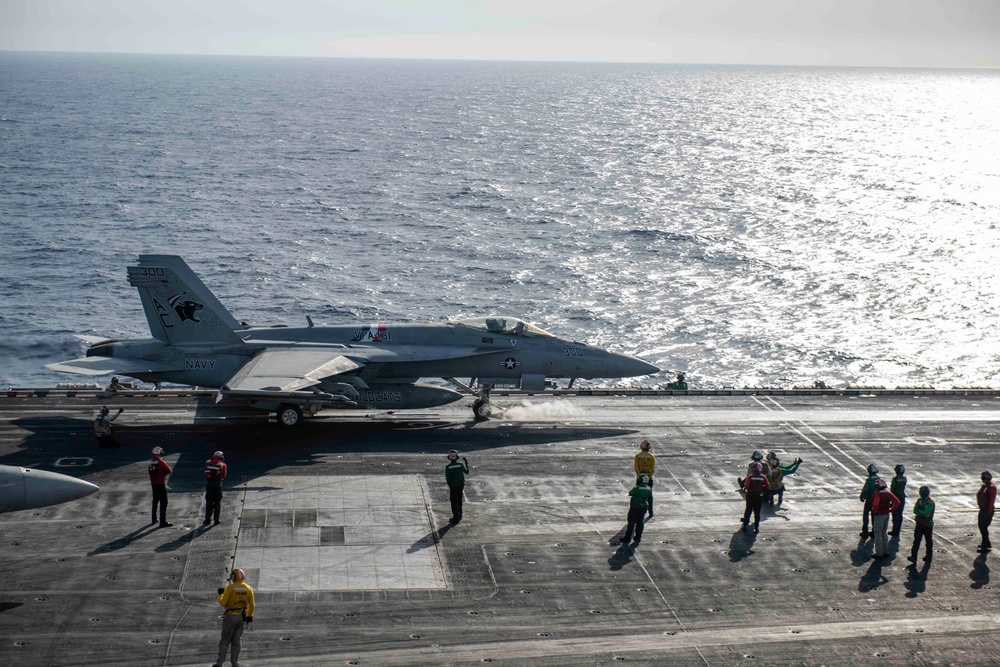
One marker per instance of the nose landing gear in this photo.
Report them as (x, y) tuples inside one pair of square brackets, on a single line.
[(482, 409)]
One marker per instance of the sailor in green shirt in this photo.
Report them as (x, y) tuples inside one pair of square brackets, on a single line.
[(867, 496), (454, 474), (923, 511), (639, 499)]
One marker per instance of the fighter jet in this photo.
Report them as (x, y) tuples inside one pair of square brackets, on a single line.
[(26, 488), (296, 371)]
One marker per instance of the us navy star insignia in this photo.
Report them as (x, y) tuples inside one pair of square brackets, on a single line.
[(510, 363)]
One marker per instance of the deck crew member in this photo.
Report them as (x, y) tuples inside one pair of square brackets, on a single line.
[(115, 386), (986, 498), (755, 461), (454, 474), (102, 423), (897, 485), (867, 494), (923, 512), (215, 473), (158, 471), (645, 464), (883, 503), (639, 498), (237, 600), (755, 485), (776, 476)]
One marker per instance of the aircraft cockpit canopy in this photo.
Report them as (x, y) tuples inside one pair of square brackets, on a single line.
[(501, 324)]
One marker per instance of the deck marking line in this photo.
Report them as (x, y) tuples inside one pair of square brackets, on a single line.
[(811, 441)]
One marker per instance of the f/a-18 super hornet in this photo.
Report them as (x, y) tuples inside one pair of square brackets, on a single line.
[(301, 370)]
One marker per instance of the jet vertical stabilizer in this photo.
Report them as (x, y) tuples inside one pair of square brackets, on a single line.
[(178, 306)]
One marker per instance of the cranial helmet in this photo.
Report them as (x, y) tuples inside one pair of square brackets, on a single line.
[(453, 455), (158, 451), (925, 492), (873, 469), (643, 480), (218, 455), (104, 410), (757, 456), (115, 379), (881, 483), (644, 444), (986, 475), (900, 469), (237, 575)]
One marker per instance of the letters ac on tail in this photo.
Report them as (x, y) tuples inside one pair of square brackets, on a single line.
[(301, 370)]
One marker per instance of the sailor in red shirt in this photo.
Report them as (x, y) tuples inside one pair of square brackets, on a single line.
[(158, 471), (215, 472), (883, 503), (986, 498), (755, 485)]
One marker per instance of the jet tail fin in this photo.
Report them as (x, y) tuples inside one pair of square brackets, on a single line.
[(178, 306)]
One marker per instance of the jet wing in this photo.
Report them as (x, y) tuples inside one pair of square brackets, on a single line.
[(408, 353), (108, 365), (289, 369)]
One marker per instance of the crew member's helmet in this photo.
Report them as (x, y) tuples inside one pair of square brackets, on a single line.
[(218, 455), (157, 451), (757, 456), (453, 455), (987, 476), (104, 410), (899, 469), (771, 456), (881, 483), (872, 469), (645, 445), (115, 380), (642, 480), (925, 492), (237, 575)]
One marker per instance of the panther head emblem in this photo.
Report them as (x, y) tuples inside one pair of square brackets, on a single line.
[(186, 309)]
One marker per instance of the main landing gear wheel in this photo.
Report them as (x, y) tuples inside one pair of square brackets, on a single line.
[(482, 410), (289, 415)]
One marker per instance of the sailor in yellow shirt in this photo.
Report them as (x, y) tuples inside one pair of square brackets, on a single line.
[(237, 599), (645, 464)]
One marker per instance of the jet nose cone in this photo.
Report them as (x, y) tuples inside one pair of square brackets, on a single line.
[(622, 365), (43, 488)]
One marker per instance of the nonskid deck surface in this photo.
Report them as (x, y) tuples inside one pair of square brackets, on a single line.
[(342, 527)]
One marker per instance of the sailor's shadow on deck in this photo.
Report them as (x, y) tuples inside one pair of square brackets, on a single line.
[(182, 540), (916, 580), (862, 554), (430, 539), (874, 578), (741, 545), (123, 542), (980, 573), (621, 557)]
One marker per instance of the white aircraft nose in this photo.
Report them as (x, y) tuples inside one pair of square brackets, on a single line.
[(27, 488), (622, 365)]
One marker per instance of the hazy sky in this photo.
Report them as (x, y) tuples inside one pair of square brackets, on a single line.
[(935, 33)]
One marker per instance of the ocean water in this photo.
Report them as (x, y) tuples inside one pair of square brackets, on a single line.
[(749, 226)]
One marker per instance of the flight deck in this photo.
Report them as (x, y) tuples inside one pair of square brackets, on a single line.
[(341, 524)]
